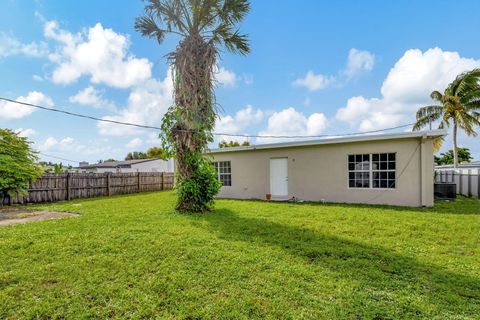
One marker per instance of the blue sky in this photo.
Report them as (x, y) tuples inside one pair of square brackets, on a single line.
[(316, 67)]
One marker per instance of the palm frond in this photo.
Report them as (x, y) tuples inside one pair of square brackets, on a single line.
[(147, 27), (436, 96), (464, 83), (468, 123)]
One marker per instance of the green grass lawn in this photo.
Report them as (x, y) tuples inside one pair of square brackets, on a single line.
[(133, 257)]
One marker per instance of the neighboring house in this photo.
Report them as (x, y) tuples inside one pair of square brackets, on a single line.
[(394, 169), (141, 165)]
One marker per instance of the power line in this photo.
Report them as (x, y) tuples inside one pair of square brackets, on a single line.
[(59, 158), (214, 133)]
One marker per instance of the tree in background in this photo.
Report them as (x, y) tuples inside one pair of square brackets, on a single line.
[(136, 155), (203, 26), (464, 156), (231, 143), (459, 105), (156, 152), (152, 153), (17, 163)]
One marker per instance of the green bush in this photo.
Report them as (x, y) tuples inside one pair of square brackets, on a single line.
[(17, 163), (198, 193)]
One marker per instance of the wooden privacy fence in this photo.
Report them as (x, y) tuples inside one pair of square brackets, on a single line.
[(68, 186), (467, 180)]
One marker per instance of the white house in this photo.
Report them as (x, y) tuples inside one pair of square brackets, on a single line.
[(394, 169), (140, 165)]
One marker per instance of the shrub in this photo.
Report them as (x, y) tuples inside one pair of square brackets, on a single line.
[(17, 163), (198, 193)]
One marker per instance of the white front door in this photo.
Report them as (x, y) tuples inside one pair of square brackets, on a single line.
[(279, 177)]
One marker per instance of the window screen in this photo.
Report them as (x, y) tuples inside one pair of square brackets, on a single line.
[(377, 171), (224, 172)]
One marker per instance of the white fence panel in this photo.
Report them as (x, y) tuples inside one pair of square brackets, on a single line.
[(467, 180)]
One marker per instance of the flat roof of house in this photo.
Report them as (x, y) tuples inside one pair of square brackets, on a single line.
[(473, 164), (335, 140), (116, 164)]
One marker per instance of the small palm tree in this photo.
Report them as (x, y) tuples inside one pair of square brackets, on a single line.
[(458, 105), (204, 26)]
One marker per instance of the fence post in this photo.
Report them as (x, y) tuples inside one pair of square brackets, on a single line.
[(460, 183), (469, 182), (67, 184), (138, 178), (108, 183), (478, 183), (163, 181)]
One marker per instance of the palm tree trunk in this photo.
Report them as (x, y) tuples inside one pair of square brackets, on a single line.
[(455, 154)]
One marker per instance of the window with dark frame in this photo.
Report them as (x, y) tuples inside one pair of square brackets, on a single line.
[(224, 172), (372, 171)]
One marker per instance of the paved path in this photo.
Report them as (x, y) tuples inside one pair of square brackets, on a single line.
[(23, 216)]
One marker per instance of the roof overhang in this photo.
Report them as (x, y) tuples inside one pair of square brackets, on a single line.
[(336, 140)]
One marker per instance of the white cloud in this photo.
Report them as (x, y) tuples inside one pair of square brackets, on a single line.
[(225, 77), (314, 82), (406, 88), (65, 144), (146, 106), (290, 122), (358, 62), (134, 143), (38, 78), (10, 46), (26, 133), (92, 97), (10, 110), (99, 53), (237, 123)]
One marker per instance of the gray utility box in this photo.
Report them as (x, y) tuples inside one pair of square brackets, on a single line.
[(445, 190)]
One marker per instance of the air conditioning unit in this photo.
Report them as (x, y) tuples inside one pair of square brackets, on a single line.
[(445, 191)]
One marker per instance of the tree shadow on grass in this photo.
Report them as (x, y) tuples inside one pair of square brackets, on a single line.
[(462, 205), (441, 292)]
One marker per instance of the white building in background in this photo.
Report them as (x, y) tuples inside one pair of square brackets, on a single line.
[(140, 165)]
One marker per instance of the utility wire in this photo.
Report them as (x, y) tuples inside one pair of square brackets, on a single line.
[(59, 158), (214, 133)]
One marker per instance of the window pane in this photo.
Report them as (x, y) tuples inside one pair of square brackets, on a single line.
[(391, 157), (383, 183), (383, 166), (351, 166), (375, 157), (358, 158), (391, 176), (351, 183), (391, 165), (351, 158)]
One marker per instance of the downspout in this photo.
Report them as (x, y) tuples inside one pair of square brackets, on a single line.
[(423, 173)]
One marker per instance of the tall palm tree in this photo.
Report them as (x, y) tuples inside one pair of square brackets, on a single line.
[(458, 105), (203, 26)]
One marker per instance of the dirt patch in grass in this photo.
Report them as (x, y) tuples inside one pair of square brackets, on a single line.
[(20, 215)]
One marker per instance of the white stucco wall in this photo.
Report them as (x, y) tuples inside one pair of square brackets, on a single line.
[(317, 173)]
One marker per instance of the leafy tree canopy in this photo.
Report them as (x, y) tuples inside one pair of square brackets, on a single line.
[(156, 152), (231, 143), (17, 163), (464, 156), (136, 155), (153, 152)]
